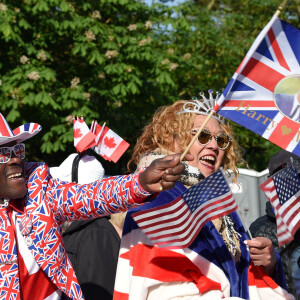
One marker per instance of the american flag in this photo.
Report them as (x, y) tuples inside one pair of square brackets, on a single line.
[(249, 97), (283, 191), (177, 223)]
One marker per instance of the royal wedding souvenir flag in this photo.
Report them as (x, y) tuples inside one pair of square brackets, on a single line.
[(283, 191), (177, 223), (109, 145), (270, 71), (83, 137)]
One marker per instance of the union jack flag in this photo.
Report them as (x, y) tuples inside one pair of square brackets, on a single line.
[(249, 97), (283, 191), (25, 225), (177, 223), (28, 127)]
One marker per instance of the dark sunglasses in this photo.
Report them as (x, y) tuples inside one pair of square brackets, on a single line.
[(5, 152), (205, 137)]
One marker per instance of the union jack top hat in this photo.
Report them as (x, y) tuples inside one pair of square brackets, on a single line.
[(20, 134)]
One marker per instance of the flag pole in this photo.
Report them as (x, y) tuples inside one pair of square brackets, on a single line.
[(245, 224), (280, 8), (101, 131), (196, 136)]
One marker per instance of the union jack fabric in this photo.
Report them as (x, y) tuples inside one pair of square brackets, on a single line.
[(249, 98), (205, 270), (19, 134), (49, 203), (83, 137), (283, 191), (177, 223), (28, 127)]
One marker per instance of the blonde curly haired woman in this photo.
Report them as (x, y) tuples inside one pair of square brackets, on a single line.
[(217, 264)]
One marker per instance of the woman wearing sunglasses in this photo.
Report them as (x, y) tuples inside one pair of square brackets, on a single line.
[(216, 264)]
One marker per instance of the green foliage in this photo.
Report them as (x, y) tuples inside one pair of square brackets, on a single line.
[(118, 61), (208, 39)]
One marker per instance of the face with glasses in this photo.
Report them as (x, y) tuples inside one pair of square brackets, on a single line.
[(12, 180), (209, 149)]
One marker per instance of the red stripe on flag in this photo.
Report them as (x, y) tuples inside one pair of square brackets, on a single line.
[(120, 296), (187, 221), (170, 219), (185, 239), (122, 147), (277, 50), (207, 217), (36, 126), (262, 74), (246, 103), (17, 131), (167, 266), (259, 278), (3, 127), (290, 208), (284, 132), (86, 142), (146, 211)]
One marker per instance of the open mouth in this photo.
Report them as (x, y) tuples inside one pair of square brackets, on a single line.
[(208, 160), (15, 176)]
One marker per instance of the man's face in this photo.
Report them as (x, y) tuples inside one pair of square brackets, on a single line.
[(12, 179)]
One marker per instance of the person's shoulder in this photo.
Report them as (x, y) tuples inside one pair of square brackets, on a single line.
[(32, 168), (284, 97)]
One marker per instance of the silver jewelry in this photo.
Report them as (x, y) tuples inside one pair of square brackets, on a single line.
[(203, 106), (6, 203)]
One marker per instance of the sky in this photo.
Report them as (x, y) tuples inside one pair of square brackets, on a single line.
[(170, 3)]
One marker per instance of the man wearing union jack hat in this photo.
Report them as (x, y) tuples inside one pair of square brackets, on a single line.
[(33, 207)]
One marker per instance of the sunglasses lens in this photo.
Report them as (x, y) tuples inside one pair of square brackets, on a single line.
[(4, 154), (19, 150), (223, 141), (204, 137)]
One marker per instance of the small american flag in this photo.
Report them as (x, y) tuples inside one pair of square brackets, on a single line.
[(283, 191), (177, 223)]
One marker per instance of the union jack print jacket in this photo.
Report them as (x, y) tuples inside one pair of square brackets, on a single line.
[(49, 203)]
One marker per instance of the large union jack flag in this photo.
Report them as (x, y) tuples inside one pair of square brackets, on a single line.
[(249, 97)]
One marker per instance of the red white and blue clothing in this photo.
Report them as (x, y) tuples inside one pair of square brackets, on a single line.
[(205, 270), (32, 255)]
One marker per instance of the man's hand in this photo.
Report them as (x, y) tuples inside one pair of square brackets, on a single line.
[(262, 253), (163, 173)]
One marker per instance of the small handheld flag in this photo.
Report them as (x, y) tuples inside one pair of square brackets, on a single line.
[(83, 137), (177, 223), (283, 191)]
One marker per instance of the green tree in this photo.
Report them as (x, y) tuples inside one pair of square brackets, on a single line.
[(60, 59), (118, 61), (207, 40)]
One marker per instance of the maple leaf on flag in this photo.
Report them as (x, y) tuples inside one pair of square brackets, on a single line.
[(77, 133), (110, 142)]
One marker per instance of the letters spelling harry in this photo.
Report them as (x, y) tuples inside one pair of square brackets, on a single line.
[(265, 120)]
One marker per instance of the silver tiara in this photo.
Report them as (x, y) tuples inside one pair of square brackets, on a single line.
[(203, 106)]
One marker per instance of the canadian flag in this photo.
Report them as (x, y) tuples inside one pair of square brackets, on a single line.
[(83, 137), (109, 145)]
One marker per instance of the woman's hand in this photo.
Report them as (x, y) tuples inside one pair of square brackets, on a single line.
[(262, 253), (163, 173)]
